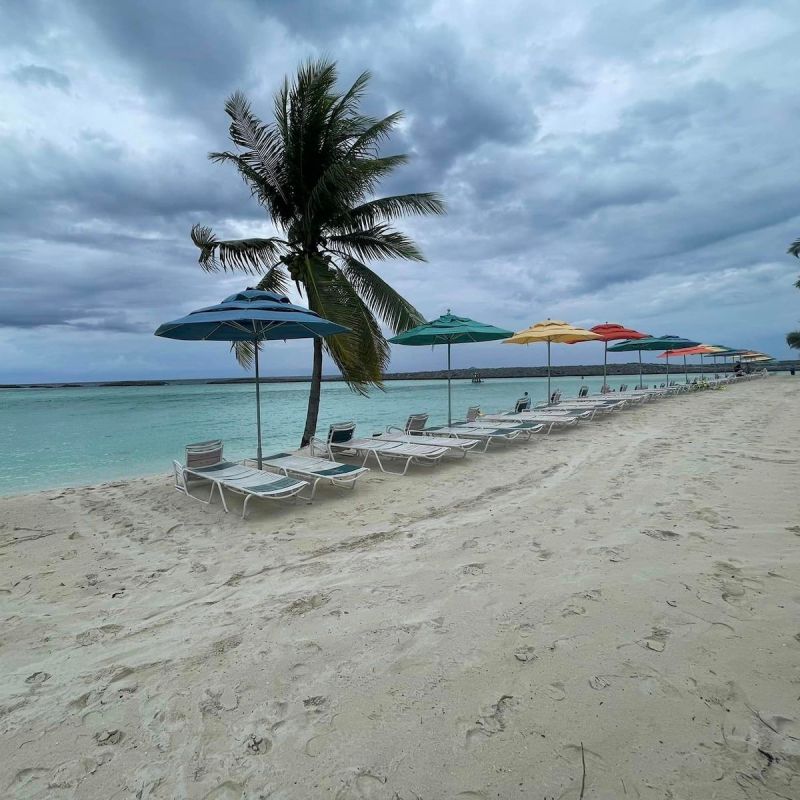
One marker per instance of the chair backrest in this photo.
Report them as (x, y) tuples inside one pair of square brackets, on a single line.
[(416, 422), (204, 454), (555, 397), (473, 412), (523, 404), (623, 387), (341, 432), (584, 391)]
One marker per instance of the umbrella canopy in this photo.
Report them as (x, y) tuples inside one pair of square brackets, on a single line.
[(250, 316), (667, 342), (450, 329), (701, 350), (612, 332), (552, 330)]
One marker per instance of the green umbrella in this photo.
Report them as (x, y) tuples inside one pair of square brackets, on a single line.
[(653, 343), (450, 329)]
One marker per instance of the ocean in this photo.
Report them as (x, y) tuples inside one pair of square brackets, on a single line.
[(70, 437)]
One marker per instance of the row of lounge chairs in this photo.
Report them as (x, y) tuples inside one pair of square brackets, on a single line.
[(292, 475)]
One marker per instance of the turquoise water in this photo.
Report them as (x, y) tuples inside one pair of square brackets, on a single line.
[(69, 437)]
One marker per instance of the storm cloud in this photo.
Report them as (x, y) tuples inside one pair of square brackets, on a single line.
[(627, 160)]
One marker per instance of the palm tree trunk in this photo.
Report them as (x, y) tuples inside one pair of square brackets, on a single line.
[(314, 396)]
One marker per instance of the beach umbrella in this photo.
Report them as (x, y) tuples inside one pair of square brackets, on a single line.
[(699, 350), (612, 332), (251, 316), (552, 330), (652, 343), (723, 351), (450, 329)]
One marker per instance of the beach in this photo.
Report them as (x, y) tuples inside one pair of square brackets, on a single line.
[(609, 612)]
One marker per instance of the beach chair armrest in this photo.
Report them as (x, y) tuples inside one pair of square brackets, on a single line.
[(392, 428), (318, 447), (179, 475)]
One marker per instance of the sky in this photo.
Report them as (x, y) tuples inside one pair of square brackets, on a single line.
[(631, 161)]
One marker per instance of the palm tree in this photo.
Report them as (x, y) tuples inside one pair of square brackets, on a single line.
[(314, 170), (793, 338)]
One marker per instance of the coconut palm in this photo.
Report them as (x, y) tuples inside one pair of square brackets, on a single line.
[(793, 338), (314, 170)]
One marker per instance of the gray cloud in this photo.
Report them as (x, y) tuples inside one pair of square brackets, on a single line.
[(630, 160), (35, 75)]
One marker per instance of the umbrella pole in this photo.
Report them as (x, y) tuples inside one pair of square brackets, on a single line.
[(640, 370), (449, 401), (549, 396), (667, 384), (685, 370), (258, 408), (605, 365)]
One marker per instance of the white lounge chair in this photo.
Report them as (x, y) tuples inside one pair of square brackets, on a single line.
[(526, 426), (341, 439), (547, 421), (204, 462), (415, 428), (314, 470)]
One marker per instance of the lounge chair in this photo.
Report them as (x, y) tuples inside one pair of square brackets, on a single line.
[(527, 426), (415, 428), (341, 439), (314, 470), (547, 420), (204, 462)]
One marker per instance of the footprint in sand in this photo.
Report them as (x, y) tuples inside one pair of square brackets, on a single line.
[(656, 641), (38, 678), (556, 691), (525, 654), (473, 569), (306, 604), (492, 722), (613, 554), (364, 786), (94, 635), (599, 682), (573, 610), (662, 535), (257, 745)]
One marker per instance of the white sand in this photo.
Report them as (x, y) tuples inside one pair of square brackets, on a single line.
[(632, 585)]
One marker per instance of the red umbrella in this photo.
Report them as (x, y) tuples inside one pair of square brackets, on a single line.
[(611, 332)]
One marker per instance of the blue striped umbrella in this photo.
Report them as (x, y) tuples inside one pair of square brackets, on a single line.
[(251, 316)]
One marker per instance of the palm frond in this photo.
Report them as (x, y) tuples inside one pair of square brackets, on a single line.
[(793, 339), (378, 242), (245, 354), (372, 133), (381, 298), (244, 255), (385, 209), (262, 143), (275, 280), (794, 248), (361, 355)]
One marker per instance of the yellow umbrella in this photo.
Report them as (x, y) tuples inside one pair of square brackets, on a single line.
[(552, 330)]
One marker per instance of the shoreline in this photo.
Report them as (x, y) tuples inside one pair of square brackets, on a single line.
[(628, 369), (626, 591)]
